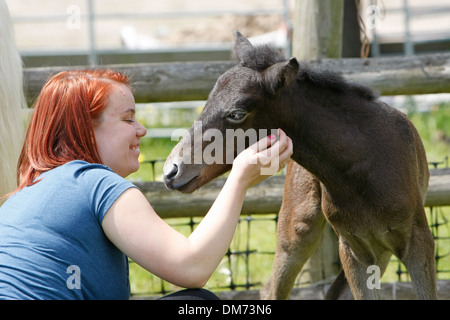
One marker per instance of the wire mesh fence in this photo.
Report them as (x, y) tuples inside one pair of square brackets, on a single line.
[(248, 262)]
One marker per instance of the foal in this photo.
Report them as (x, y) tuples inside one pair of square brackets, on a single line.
[(357, 163)]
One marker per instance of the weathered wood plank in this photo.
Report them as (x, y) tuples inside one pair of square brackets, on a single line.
[(155, 82), (421, 74), (439, 188), (185, 81), (263, 198)]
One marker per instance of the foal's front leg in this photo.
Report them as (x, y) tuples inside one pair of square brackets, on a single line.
[(299, 230)]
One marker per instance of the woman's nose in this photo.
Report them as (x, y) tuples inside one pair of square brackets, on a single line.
[(141, 130)]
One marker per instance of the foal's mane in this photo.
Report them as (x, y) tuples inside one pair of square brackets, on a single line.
[(329, 79), (260, 57)]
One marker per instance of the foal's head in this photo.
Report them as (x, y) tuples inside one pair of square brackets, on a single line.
[(240, 109)]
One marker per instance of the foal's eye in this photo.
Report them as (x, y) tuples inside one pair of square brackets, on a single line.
[(237, 116)]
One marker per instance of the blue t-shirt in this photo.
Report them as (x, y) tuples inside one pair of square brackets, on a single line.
[(52, 245)]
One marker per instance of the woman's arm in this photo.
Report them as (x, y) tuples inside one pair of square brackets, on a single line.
[(135, 228)]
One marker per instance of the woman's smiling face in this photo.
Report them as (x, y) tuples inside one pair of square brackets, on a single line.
[(117, 132)]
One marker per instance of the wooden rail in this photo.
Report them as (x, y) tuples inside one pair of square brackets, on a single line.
[(264, 198), (183, 81)]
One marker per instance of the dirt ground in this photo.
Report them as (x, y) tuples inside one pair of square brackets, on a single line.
[(51, 25), (64, 24)]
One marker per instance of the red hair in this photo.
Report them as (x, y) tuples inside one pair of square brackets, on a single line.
[(62, 126)]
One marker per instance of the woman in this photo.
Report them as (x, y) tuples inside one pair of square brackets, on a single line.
[(67, 230)]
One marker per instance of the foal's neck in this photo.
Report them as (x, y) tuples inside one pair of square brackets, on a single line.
[(326, 136)]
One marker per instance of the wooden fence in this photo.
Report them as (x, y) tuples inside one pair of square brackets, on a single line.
[(184, 81), (263, 198)]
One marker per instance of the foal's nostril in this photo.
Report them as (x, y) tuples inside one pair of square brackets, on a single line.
[(172, 173)]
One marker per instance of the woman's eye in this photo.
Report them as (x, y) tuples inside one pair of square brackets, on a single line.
[(237, 116)]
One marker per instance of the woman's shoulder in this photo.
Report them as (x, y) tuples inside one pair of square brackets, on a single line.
[(84, 174), (81, 169), (81, 165), (96, 183)]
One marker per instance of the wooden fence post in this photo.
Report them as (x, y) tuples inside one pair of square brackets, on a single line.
[(318, 26), (317, 34)]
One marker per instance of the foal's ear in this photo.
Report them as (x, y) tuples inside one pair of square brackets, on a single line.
[(280, 75), (243, 49)]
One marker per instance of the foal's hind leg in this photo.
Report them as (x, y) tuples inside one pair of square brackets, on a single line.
[(300, 226), (339, 288), (356, 258), (419, 259)]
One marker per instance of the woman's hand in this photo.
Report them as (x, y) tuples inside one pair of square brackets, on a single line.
[(262, 159)]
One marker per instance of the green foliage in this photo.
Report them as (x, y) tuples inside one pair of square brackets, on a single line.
[(434, 129)]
